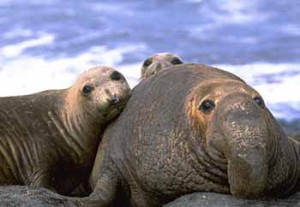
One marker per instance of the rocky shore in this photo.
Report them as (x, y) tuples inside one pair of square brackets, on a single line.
[(24, 196), (219, 200)]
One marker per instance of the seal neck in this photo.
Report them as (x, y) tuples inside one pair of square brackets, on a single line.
[(79, 129)]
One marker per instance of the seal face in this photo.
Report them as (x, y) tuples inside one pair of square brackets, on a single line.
[(232, 117), (158, 62), (49, 139), (103, 89)]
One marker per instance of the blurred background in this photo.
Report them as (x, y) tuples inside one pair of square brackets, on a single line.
[(47, 44)]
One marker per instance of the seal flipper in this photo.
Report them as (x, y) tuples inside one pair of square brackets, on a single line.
[(43, 178), (104, 193), (105, 190)]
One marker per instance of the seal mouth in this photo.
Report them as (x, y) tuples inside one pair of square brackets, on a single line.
[(117, 105), (114, 108)]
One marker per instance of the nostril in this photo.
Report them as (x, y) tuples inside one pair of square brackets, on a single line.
[(115, 99)]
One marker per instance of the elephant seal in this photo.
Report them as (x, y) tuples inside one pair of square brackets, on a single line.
[(50, 139), (192, 128), (157, 62)]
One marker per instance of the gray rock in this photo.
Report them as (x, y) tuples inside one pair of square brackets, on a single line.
[(220, 200), (24, 196)]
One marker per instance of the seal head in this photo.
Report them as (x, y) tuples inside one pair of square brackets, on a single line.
[(158, 62), (101, 91)]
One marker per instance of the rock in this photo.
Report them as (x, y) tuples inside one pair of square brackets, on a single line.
[(221, 200), (24, 196)]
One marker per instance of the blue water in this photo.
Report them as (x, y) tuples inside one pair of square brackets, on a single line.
[(54, 40)]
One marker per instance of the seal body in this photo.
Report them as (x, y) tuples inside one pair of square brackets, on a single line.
[(192, 128), (158, 62), (49, 139)]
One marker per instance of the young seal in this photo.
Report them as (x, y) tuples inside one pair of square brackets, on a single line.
[(49, 139), (157, 62), (192, 128)]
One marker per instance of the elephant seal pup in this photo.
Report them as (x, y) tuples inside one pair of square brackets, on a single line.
[(192, 128), (49, 139), (157, 62)]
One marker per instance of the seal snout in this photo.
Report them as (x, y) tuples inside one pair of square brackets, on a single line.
[(246, 134), (159, 66), (115, 99)]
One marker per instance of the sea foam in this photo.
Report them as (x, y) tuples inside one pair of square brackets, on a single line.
[(26, 74), (15, 50)]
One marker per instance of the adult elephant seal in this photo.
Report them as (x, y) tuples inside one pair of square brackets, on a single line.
[(192, 128), (158, 62), (49, 139)]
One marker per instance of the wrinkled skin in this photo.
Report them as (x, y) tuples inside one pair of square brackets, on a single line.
[(49, 139), (192, 128), (158, 62)]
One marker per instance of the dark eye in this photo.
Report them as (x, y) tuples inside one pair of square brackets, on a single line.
[(116, 76), (259, 101), (147, 62), (207, 106), (176, 61), (87, 89)]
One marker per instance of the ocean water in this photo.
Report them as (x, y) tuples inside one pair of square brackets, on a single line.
[(47, 44)]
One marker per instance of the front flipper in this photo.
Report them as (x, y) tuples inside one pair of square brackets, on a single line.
[(42, 178), (105, 192)]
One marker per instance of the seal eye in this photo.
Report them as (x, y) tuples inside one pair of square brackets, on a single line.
[(147, 62), (116, 76), (176, 61), (87, 89), (207, 106), (259, 101)]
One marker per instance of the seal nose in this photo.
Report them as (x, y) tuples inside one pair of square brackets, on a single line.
[(246, 134), (114, 99), (158, 66)]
